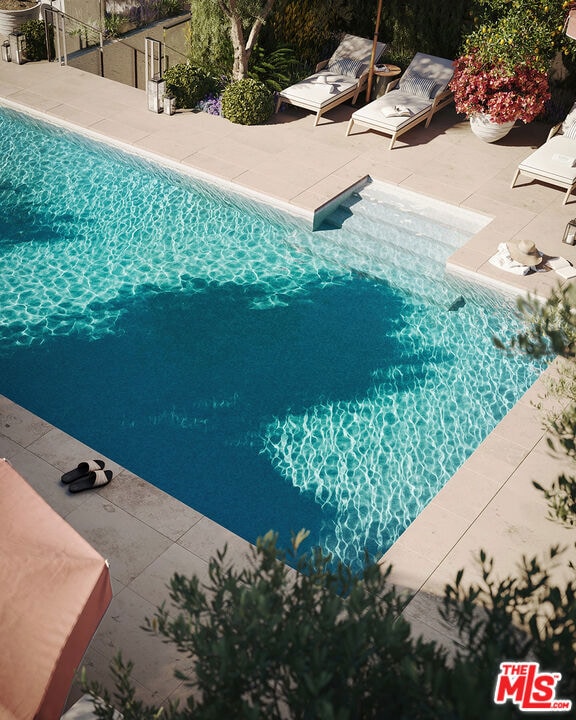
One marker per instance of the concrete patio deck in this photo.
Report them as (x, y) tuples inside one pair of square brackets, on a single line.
[(147, 535)]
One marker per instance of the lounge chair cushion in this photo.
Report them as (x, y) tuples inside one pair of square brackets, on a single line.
[(397, 111), (417, 85), (339, 80), (548, 160), (383, 111), (319, 89), (570, 131), (348, 67), (411, 102), (354, 48), (381, 114)]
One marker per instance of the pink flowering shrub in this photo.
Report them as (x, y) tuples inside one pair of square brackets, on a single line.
[(504, 96)]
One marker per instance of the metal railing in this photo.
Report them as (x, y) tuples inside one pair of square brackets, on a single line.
[(81, 44)]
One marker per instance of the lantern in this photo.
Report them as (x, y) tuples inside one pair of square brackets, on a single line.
[(570, 233)]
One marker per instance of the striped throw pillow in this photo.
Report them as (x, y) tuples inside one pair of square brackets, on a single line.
[(415, 84), (347, 66)]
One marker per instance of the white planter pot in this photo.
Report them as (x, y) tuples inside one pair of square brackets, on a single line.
[(487, 130), (11, 20)]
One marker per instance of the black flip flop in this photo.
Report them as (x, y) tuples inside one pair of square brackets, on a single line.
[(94, 480), (83, 469)]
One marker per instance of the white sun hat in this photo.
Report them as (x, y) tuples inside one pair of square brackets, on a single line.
[(525, 252)]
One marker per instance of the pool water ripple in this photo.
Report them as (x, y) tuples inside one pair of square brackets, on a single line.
[(265, 374)]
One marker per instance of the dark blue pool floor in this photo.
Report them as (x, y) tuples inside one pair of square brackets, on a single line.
[(180, 394)]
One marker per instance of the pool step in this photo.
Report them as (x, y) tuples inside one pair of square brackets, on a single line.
[(406, 201), (385, 239), (362, 207), (402, 238), (370, 257), (383, 251)]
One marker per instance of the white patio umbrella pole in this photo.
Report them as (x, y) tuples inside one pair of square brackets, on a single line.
[(373, 56)]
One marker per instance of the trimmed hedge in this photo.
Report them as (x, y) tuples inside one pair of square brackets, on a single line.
[(247, 102), (189, 84)]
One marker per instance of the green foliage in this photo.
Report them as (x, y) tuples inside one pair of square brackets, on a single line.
[(247, 102), (145, 12), (276, 69), (245, 20), (551, 331), (507, 30), (171, 8), (311, 27), (551, 326), (34, 32), (224, 32), (509, 33), (188, 84), (124, 697), (113, 24), (561, 498), (210, 46), (270, 642), (524, 617), (424, 26), (560, 424)]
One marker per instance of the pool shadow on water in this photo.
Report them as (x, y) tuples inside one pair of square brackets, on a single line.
[(218, 360), (181, 394)]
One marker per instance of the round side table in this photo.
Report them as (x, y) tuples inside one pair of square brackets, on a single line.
[(383, 75)]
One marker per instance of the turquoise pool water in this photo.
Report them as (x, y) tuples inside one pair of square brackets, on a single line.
[(267, 375)]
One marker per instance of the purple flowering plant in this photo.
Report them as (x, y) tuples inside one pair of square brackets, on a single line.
[(211, 104)]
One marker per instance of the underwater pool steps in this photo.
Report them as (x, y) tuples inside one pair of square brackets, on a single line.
[(385, 237)]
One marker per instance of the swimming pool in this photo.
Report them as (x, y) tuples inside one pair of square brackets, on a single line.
[(267, 375)]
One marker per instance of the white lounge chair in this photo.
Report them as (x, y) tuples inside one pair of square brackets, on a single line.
[(336, 80), (555, 161), (410, 100)]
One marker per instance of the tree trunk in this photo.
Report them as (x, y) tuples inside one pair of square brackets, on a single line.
[(241, 56), (242, 49)]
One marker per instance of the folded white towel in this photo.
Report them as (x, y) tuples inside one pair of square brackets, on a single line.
[(397, 111), (503, 261), (564, 159)]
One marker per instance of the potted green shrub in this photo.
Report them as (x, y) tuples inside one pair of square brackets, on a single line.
[(502, 75)]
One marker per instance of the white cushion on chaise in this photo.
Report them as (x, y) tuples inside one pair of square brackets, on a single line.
[(425, 74), (336, 80), (555, 161)]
